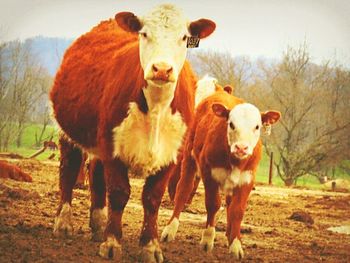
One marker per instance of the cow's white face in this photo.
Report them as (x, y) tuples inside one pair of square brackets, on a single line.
[(243, 129), (163, 36), (244, 123)]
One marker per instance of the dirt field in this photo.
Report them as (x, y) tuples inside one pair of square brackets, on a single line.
[(27, 214)]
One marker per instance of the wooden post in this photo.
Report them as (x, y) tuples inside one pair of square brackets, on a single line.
[(271, 168)]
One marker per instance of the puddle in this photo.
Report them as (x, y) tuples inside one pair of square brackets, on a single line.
[(340, 229)]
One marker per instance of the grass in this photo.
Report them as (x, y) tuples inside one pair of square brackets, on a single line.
[(28, 148)]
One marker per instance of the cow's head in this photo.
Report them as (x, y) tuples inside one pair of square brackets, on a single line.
[(162, 39), (244, 123)]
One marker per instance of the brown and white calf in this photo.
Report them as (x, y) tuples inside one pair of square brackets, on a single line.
[(125, 94), (224, 145)]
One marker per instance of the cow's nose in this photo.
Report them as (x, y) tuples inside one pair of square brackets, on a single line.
[(241, 148), (161, 71)]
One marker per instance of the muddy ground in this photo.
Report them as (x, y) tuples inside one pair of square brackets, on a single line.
[(27, 214)]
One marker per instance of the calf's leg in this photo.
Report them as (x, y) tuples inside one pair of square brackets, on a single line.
[(235, 211)]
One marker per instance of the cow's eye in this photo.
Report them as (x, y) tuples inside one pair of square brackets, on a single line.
[(232, 126), (184, 38), (144, 34), (257, 127)]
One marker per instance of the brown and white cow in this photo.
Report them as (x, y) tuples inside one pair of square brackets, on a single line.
[(125, 94), (224, 145)]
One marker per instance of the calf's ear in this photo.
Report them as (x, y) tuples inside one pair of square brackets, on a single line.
[(128, 22), (220, 110), (270, 117), (202, 28)]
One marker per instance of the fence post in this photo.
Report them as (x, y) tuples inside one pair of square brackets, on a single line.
[(271, 168)]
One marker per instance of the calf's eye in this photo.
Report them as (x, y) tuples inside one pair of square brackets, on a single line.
[(257, 127), (184, 38), (232, 126)]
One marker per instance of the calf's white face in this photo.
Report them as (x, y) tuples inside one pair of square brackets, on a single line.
[(244, 123), (162, 40)]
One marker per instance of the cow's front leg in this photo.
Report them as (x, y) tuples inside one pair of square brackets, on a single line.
[(152, 194), (236, 206), (118, 192)]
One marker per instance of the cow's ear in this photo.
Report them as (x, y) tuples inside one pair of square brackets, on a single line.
[(228, 89), (202, 28), (220, 110), (128, 21), (270, 117)]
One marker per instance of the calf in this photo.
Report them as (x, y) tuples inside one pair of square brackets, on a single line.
[(224, 145), (8, 170)]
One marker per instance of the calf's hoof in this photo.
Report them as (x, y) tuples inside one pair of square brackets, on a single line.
[(151, 253), (98, 221), (236, 249), (207, 241), (170, 231), (111, 249), (63, 226)]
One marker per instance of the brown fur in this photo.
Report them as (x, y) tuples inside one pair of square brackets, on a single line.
[(206, 144), (11, 171)]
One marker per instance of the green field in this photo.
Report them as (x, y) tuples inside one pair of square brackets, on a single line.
[(28, 148)]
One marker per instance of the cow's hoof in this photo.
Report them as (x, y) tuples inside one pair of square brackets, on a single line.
[(151, 253), (63, 222), (170, 231), (236, 249), (98, 221), (207, 241), (111, 249)]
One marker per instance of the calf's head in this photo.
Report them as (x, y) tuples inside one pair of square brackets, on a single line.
[(244, 123), (162, 41)]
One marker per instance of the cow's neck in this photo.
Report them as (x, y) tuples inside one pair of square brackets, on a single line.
[(158, 101)]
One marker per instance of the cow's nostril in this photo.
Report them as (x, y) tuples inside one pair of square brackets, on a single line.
[(169, 70), (154, 68)]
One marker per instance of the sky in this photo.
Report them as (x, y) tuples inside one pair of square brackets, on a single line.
[(253, 28)]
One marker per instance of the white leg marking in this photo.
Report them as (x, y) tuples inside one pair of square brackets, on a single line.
[(170, 231), (111, 249), (236, 249), (208, 236), (151, 253), (98, 221), (63, 222)]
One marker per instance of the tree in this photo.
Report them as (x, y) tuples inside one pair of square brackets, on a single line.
[(224, 67), (23, 82), (313, 134)]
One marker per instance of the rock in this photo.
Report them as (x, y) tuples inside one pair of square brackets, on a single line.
[(302, 216)]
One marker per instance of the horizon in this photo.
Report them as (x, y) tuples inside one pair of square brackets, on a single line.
[(259, 31)]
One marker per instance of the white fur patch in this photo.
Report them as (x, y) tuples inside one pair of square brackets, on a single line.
[(205, 88), (152, 252), (236, 249), (98, 221), (208, 236), (63, 222), (110, 248), (231, 179), (144, 147), (170, 231)]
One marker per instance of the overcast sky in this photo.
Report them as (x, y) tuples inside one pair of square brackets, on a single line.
[(254, 28)]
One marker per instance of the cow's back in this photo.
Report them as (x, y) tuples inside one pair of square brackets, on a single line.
[(83, 78)]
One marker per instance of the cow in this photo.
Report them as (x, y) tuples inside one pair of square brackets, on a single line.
[(206, 86), (11, 171), (223, 144), (51, 145), (125, 94)]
